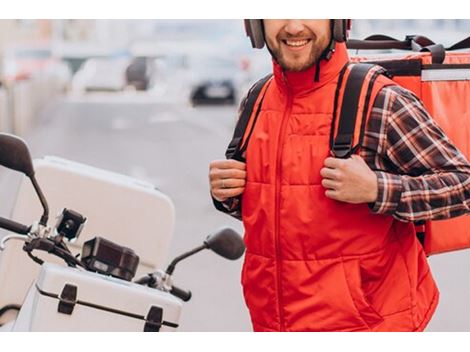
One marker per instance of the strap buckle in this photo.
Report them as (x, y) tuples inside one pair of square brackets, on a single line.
[(342, 146)]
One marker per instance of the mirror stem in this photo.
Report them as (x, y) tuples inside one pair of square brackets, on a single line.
[(45, 214), (172, 265)]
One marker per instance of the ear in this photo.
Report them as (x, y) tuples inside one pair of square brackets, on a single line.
[(254, 29)]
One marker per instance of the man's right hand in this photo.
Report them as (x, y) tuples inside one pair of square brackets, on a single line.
[(227, 178)]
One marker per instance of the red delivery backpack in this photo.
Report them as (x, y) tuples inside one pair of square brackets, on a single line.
[(439, 76)]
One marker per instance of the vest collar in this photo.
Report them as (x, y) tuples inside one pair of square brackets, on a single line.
[(304, 81)]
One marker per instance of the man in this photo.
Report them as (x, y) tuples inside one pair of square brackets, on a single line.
[(330, 242)]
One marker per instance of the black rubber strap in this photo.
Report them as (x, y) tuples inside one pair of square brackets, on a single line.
[(463, 44), (234, 148), (343, 142), (416, 43), (438, 53), (357, 44), (402, 68)]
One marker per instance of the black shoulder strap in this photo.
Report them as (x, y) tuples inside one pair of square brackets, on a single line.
[(342, 144), (235, 150)]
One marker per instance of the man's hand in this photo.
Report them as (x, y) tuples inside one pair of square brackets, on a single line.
[(349, 180), (227, 178)]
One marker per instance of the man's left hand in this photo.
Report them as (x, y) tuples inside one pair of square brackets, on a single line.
[(349, 180)]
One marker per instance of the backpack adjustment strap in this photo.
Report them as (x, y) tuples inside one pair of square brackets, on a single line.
[(342, 146)]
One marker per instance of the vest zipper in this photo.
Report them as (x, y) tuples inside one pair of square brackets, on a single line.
[(280, 142)]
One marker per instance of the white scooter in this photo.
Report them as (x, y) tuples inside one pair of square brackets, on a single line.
[(95, 291)]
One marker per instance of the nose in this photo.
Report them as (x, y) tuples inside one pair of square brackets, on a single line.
[(294, 27)]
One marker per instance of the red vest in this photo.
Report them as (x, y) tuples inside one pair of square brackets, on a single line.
[(312, 263)]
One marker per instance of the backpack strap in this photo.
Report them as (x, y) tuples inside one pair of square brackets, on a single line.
[(355, 86), (239, 142), (347, 133)]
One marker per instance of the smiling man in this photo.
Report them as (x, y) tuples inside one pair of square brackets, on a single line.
[(295, 46), (330, 242)]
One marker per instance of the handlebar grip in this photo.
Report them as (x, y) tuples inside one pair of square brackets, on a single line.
[(180, 293), (143, 280), (14, 226)]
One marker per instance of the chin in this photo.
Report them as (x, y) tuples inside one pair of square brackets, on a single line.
[(297, 66)]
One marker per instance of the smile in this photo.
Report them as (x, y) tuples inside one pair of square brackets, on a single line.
[(296, 43)]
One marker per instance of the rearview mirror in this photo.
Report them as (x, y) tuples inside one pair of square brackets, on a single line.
[(14, 154), (227, 243)]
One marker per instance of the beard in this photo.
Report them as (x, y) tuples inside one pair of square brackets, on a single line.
[(296, 61)]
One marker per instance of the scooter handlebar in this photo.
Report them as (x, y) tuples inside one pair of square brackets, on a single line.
[(14, 226), (180, 293)]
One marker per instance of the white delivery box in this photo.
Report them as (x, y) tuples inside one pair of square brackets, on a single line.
[(69, 299), (127, 211)]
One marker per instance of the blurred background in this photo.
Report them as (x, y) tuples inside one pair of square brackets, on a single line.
[(157, 100)]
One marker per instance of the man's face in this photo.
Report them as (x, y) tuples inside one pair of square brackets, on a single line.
[(297, 44)]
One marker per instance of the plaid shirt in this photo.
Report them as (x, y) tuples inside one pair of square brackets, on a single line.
[(421, 174)]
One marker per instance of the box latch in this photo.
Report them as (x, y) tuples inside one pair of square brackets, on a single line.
[(154, 319), (67, 299)]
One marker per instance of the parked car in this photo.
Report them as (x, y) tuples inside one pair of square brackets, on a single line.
[(213, 92), (215, 80)]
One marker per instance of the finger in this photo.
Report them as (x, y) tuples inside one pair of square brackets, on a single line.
[(227, 183), (332, 194), (227, 164), (330, 184), (217, 174), (332, 174), (234, 183), (333, 163), (224, 193)]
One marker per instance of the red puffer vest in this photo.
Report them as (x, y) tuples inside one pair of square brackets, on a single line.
[(312, 263)]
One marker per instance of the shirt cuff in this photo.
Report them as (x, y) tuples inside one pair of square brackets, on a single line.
[(390, 188)]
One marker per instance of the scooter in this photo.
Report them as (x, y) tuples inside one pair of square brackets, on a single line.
[(94, 291)]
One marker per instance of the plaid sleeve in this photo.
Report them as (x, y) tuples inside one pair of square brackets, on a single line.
[(421, 174), (231, 206)]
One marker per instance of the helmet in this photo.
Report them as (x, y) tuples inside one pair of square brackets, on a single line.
[(255, 30)]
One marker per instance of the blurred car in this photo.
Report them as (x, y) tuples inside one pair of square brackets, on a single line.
[(213, 92), (141, 72), (101, 75), (215, 80)]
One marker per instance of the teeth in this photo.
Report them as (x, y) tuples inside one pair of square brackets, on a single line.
[(296, 42)]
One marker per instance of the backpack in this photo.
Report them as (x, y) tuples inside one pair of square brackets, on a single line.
[(439, 77)]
